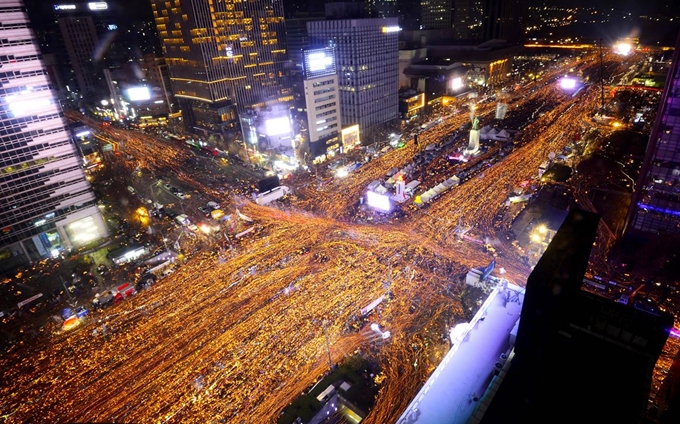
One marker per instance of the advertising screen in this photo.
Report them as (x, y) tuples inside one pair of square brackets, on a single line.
[(277, 126), (350, 136), (98, 5), (319, 62), (456, 83), (136, 94), (378, 201)]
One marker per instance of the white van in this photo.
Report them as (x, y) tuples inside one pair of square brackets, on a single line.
[(182, 219)]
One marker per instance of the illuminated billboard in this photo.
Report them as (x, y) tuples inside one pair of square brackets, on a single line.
[(64, 7), (277, 126), (98, 5), (378, 201), (456, 83), (388, 29), (319, 62), (350, 136), (415, 102), (136, 94)]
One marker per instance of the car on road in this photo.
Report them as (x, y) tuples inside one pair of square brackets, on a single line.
[(193, 227), (205, 210), (174, 190), (182, 219), (181, 195), (167, 186), (213, 205)]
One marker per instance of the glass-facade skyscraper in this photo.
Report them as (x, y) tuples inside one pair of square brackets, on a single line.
[(367, 60), (655, 207), (224, 57), (47, 203)]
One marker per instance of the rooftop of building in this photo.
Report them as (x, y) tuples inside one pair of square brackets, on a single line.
[(577, 356), (449, 394)]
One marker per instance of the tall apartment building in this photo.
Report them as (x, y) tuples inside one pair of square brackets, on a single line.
[(322, 99), (435, 14), (224, 57), (367, 54), (655, 207), (46, 202)]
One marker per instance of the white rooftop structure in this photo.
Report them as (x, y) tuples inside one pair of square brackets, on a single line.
[(452, 392)]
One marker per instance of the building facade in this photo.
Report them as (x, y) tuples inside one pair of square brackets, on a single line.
[(47, 203), (322, 100), (85, 38), (655, 207), (435, 14), (141, 90), (367, 54), (504, 20), (468, 16), (224, 57)]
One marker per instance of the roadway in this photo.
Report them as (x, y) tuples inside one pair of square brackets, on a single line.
[(236, 336)]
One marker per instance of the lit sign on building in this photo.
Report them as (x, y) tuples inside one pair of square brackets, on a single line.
[(64, 7), (319, 62), (388, 29), (456, 83), (138, 93), (350, 137), (98, 5), (277, 126), (416, 102), (112, 27)]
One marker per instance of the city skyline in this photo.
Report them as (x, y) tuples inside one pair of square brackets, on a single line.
[(209, 215)]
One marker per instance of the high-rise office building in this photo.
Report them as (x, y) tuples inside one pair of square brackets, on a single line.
[(655, 207), (504, 20), (435, 14), (47, 203), (468, 16), (224, 57), (367, 54), (86, 38), (322, 100)]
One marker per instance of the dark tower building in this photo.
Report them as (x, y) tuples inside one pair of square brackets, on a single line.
[(504, 20), (578, 357)]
